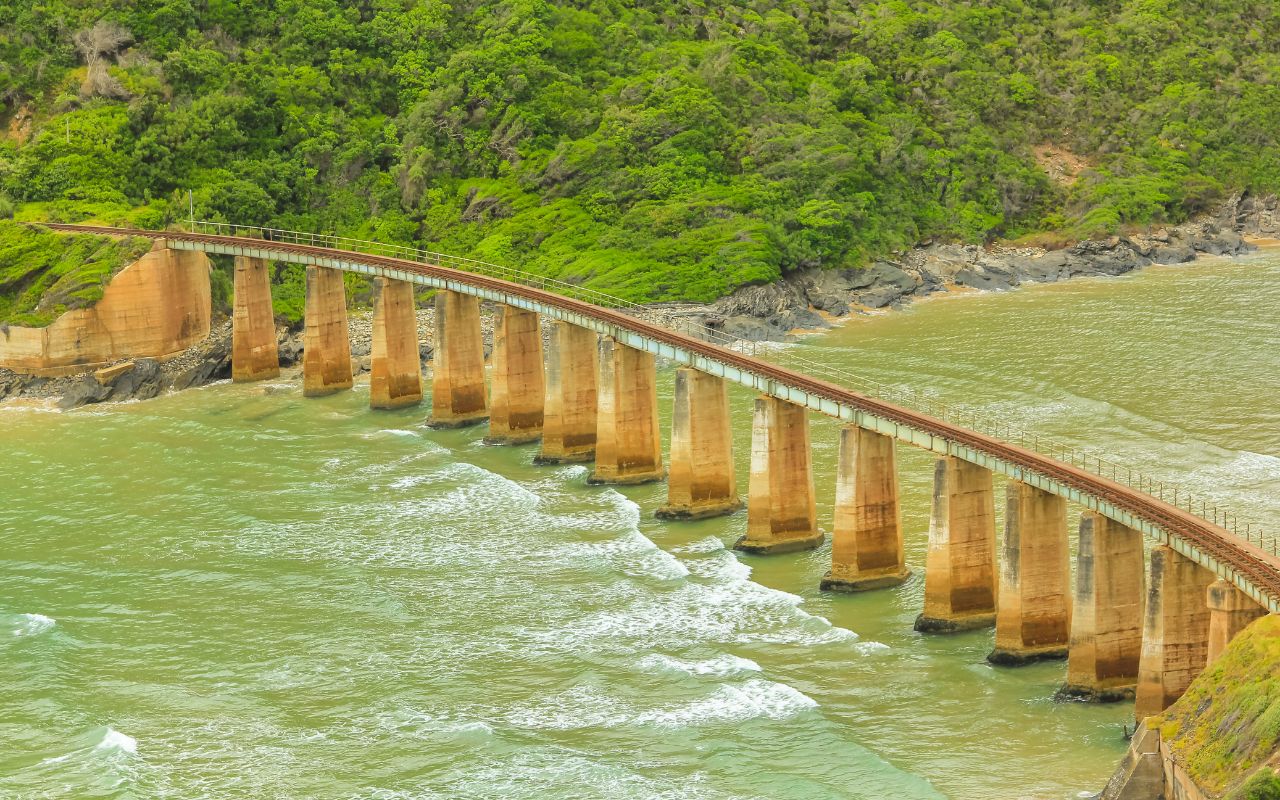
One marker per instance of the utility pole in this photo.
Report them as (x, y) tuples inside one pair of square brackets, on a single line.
[(191, 211)]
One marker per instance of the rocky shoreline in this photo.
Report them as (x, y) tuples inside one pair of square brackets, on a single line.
[(807, 300)]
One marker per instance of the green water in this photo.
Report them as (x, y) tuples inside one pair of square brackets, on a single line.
[(236, 593)]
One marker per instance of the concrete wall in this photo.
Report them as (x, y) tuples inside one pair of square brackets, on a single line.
[(157, 306)]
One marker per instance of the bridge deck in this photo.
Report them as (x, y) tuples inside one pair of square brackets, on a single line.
[(1252, 569)]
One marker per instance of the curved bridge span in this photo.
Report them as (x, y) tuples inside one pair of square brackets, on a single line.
[(1253, 569)]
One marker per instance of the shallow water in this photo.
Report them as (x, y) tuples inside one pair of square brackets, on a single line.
[(236, 593)]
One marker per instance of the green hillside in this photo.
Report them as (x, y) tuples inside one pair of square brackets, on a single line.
[(655, 150)]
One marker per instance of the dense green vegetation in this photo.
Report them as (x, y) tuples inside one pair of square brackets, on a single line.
[(43, 274), (655, 150), (1228, 722)]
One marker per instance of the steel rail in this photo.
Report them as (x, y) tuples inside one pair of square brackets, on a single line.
[(1242, 558)]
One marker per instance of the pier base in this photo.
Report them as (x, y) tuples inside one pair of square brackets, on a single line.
[(1230, 611), (628, 444), (395, 367), (569, 421), (781, 511), (254, 354), (519, 389), (701, 482), (866, 541), (457, 368), (960, 569), (1033, 611), (326, 353), (1106, 620), (1175, 636)]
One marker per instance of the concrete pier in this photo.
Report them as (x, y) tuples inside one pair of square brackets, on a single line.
[(395, 366), (1175, 636), (960, 569), (1230, 611), (1033, 610), (457, 366), (569, 420), (519, 388), (254, 356), (866, 540), (628, 443), (326, 355), (1106, 620), (701, 482), (781, 511)]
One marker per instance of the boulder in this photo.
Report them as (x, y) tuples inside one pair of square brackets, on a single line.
[(753, 329)]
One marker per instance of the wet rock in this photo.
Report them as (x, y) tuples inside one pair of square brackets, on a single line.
[(753, 329), (142, 382), (83, 390), (1176, 253)]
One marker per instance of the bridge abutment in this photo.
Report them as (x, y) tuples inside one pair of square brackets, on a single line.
[(395, 366), (1033, 609), (254, 353), (326, 354), (457, 368), (781, 509), (866, 540), (628, 443), (1230, 611), (701, 482), (569, 420), (519, 387), (960, 569), (1175, 635), (1106, 620)]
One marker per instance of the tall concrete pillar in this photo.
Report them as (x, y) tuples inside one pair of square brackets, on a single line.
[(1033, 611), (253, 326), (1106, 619), (569, 421), (781, 511), (960, 569), (866, 541), (519, 389), (701, 482), (395, 366), (326, 345), (1230, 611), (1175, 635), (457, 367), (628, 443)]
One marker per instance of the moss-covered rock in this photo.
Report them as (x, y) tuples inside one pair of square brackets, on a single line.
[(1227, 725), (44, 274)]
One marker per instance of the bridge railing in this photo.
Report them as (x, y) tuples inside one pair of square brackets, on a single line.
[(1081, 458)]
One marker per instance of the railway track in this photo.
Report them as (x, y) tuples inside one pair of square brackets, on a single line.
[(1249, 562)]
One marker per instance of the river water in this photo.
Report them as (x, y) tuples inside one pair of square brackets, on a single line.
[(236, 593)]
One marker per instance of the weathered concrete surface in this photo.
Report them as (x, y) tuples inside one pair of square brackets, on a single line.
[(960, 569), (156, 307), (457, 370), (1033, 611), (395, 373), (1230, 611), (519, 387), (1175, 636), (866, 540), (781, 511), (701, 482), (569, 420), (326, 355), (254, 356), (1106, 621), (1140, 775), (628, 440)]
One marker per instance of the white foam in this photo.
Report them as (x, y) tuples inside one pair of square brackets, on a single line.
[(32, 624), (399, 432), (710, 544), (115, 740), (109, 742), (725, 665)]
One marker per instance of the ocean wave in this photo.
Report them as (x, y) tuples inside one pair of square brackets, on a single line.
[(725, 665), (101, 742), (28, 624)]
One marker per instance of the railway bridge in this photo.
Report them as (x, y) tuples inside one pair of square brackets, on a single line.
[(1127, 627)]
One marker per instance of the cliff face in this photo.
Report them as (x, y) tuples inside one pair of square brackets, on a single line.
[(1222, 738), (155, 307)]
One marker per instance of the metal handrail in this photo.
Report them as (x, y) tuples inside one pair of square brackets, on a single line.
[(1081, 458)]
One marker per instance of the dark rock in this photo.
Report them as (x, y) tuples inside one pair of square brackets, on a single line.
[(1177, 253), (797, 318), (880, 296), (83, 390), (978, 278), (141, 383), (752, 329), (289, 347)]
